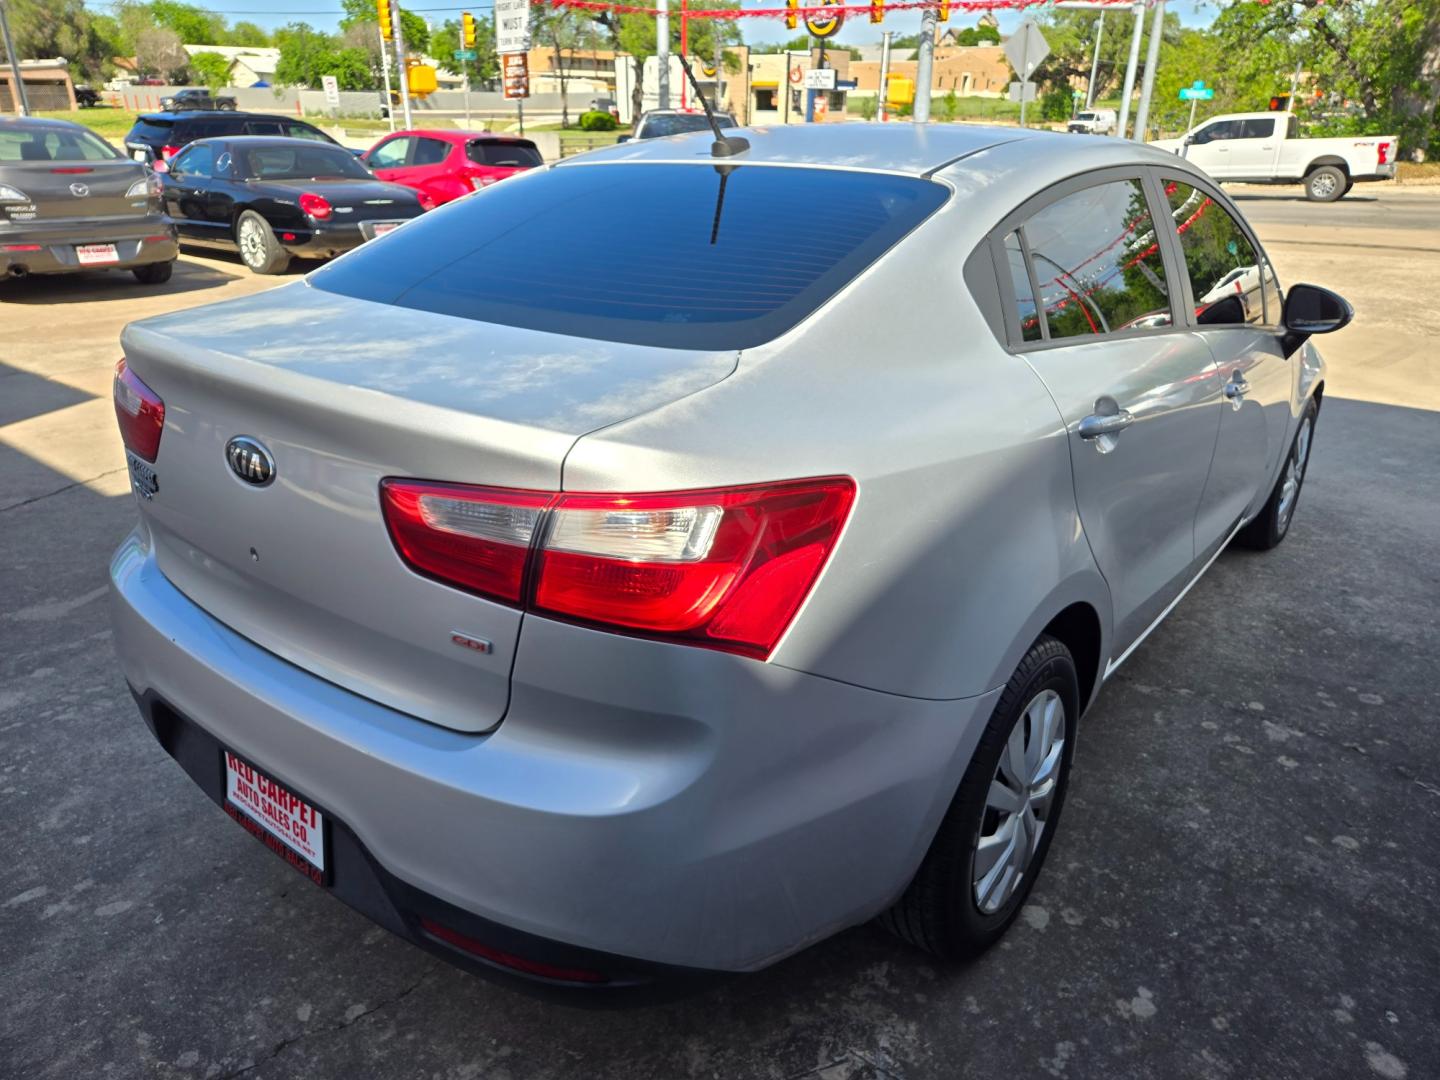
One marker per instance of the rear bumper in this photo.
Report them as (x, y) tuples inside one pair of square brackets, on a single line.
[(654, 807), (137, 243), (328, 240)]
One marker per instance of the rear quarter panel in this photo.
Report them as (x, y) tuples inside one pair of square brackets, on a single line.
[(964, 540)]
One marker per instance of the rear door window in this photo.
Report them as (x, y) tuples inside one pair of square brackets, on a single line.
[(263, 127), (1257, 128), (430, 152), (296, 130), (701, 261)]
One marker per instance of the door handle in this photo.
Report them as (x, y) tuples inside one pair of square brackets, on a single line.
[(1236, 389), (1105, 423)]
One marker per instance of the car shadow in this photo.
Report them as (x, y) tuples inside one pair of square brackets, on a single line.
[(231, 256), (1259, 196), (107, 285)]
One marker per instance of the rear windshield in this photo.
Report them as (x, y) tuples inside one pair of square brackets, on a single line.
[(655, 127), (690, 259), (280, 162), (148, 130), (53, 144), (512, 155)]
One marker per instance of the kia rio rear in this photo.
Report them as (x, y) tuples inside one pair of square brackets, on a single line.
[(654, 611)]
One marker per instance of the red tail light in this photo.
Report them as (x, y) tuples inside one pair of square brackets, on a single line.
[(317, 206), (140, 412), (167, 152), (725, 568), (1382, 154), (510, 960)]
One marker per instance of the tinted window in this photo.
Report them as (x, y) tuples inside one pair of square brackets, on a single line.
[(1097, 262), (1220, 261), (305, 131), (1024, 294), (513, 155), (1262, 128), (149, 130), (195, 161), (263, 127), (678, 123), (430, 152), (281, 162), (208, 129), (669, 255), (389, 155)]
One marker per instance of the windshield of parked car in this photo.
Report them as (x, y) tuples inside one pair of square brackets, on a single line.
[(678, 256), (679, 123), (54, 144), (299, 163)]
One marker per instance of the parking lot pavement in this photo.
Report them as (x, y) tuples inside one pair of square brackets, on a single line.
[(1243, 886)]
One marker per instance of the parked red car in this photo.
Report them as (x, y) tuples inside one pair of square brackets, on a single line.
[(446, 164)]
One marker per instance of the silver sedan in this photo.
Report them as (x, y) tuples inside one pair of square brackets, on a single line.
[(660, 561)]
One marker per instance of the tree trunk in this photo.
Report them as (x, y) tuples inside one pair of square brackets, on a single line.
[(564, 83)]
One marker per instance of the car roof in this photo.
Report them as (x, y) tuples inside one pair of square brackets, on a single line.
[(264, 140), (899, 148), (193, 114), (38, 123), (456, 135)]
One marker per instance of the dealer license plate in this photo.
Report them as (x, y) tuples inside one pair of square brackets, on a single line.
[(286, 823), (380, 228), (96, 254)]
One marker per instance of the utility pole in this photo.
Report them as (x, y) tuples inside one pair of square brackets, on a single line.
[(402, 67), (1095, 63), (884, 74), (924, 69), (662, 52), (1139, 12), (1152, 60), (17, 86)]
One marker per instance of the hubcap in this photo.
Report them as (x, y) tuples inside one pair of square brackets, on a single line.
[(1294, 474), (1020, 800), (252, 244)]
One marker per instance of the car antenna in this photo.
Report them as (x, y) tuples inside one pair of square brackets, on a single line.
[(724, 145)]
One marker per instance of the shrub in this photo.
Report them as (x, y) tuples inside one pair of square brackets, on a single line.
[(595, 120)]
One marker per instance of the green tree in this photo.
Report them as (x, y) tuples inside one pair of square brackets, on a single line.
[(247, 33), (563, 31), (485, 68), (984, 34), (195, 26), (61, 28), (211, 70)]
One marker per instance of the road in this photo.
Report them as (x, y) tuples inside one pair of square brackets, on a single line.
[(1244, 884)]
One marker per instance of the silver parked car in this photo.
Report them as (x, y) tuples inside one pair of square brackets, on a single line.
[(69, 201), (602, 599)]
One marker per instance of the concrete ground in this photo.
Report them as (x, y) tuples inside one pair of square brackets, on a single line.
[(1244, 884)]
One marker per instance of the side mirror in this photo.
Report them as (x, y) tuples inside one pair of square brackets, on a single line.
[(622, 138), (1309, 309)]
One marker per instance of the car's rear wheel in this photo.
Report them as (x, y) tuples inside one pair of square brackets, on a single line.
[(1325, 183), (994, 838), (259, 250), (1273, 522), (154, 273)]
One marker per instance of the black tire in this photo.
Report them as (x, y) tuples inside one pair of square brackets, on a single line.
[(939, 911), (227, 106), (1325, 183), (1272, 524), (265, 255), (154, 273)]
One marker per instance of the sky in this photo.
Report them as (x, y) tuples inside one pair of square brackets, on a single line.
[(325, 15)]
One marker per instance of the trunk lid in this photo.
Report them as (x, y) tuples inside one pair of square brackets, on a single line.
[(342, 393), (353, 200), (69, 190)]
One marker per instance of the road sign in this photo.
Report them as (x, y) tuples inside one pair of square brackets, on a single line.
[(1197, 91), (515, 74), (465, 54), (331, 86), (820, 79), (822, 26), (512, 26), (1026, 48), (1030, 91)]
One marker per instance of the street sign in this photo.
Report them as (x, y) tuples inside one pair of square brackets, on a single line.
[(515, 74), (1197, 91), (820, 79), (512, 26), (331, 86), (1029, 92), (823, 26), (1026, 48), (465, 54)]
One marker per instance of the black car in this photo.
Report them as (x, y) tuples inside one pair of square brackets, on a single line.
[(69, 201), (86, 96), (159, 136), (278, 198), (195, 98)]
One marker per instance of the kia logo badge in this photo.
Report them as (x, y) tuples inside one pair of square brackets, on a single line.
[(79, 190), (250, 461)]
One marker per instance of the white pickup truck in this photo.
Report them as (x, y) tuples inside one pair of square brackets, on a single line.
[(1262, 148)]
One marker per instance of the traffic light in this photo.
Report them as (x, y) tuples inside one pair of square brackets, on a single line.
[(467, 30), (790, 18), (382, 13), (877, 11), (1280, 103), (944, 14)]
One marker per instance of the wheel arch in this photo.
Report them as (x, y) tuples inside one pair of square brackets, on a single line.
[(1329, 159), (1078, 628), (1076, 612)]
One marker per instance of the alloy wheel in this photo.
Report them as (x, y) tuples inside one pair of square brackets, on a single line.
[(1323, 185), (252, 244), (1294, 473), (1017, 807)]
